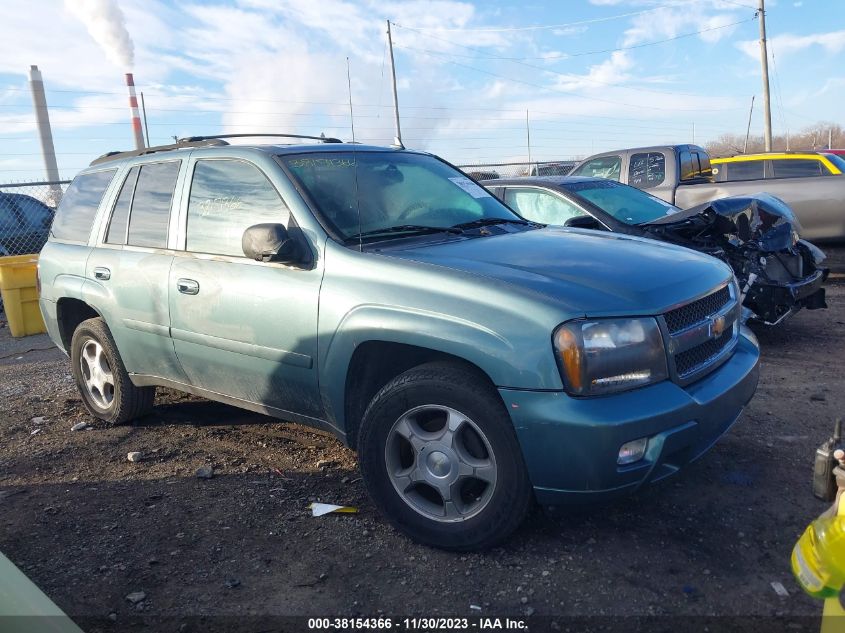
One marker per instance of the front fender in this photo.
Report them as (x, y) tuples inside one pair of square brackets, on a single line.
[(518, 361)]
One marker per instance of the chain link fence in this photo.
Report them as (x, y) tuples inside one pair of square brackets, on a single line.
[(26, 213), (489, 171)]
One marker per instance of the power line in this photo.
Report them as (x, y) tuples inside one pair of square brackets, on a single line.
[(542, 27), (583, 53)]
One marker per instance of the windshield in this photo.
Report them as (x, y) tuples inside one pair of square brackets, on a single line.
[(391, 190), (626, 204)]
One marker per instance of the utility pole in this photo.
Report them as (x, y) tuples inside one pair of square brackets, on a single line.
[(144, 114), (349, 87), (528, 139), (398, 139), (764, 62), (748, 129), (830, 138)]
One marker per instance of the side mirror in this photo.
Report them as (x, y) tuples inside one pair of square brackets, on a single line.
[(271, 243), (583, 222)]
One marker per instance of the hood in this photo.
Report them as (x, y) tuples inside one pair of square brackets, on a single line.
[(761, 218), (586, 272)]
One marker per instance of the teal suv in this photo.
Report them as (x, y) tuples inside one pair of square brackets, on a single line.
[(475, 360)]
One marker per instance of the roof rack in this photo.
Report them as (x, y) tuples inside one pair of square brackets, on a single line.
[(181, 143), (201, 141), (323, 138)]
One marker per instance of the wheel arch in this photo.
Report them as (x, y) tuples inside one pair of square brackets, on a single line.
[(70, 312)]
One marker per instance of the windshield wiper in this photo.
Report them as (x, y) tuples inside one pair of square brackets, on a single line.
[(410, 229), (488, 221)]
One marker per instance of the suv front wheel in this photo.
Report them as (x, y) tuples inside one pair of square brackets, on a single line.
[(440, 458), (101, 378)]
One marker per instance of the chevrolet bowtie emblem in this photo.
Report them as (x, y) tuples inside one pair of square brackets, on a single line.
[(717, 326)]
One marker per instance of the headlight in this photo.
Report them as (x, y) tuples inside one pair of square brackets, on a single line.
[(608, 355)]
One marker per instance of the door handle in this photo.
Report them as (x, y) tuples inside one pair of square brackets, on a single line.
[(101, 273), (187, 286)]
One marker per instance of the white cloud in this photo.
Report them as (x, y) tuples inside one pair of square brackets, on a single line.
[(787, 43)]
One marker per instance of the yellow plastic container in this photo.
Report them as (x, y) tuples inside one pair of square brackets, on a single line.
[(20, 294)]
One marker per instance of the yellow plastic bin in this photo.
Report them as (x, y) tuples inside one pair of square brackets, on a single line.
[(20, 294)]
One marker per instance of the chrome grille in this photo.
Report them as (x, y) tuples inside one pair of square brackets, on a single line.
[(703, 333), (697, 311), (689, 361)]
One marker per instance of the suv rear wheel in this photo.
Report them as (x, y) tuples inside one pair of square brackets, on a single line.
[(101, 378), (440, 458)]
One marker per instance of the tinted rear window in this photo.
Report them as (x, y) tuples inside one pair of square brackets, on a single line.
[(796, 168), (79, 205), (745, 170), (150, 213), (120, 215)]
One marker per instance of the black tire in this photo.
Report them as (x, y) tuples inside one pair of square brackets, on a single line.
[(464, 390), (124, 401)]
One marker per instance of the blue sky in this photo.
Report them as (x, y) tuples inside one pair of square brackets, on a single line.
[(592, 74)]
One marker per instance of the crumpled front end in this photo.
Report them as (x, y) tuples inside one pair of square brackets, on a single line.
[(759, 236)]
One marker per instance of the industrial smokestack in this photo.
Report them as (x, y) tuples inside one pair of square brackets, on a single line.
[(133, 109), (42, 120)]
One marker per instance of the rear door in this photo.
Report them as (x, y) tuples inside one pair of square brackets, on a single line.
[(242, 328), (127, 273)]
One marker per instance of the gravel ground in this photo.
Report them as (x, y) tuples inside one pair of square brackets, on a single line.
[(90, 527)]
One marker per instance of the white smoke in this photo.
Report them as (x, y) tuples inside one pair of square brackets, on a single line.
[(107, 26)]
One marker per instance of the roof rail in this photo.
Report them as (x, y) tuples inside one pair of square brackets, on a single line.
[(324, 139), (181, 143)]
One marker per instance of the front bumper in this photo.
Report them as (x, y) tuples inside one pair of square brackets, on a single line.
[(772, 302), (571, 444)]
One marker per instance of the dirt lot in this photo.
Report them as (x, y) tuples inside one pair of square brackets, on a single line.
[(89, 527)]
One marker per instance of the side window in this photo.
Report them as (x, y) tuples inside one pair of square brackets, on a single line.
[(744, 170), (227, 197), (79, 205), (120, 216), (601, 167), (796, 168), (540, 206), (647, 170), (705, 169), (150, 212)]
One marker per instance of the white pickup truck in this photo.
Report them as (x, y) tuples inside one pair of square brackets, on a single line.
[(682, 175)]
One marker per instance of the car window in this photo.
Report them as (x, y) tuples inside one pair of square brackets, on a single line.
[(120, 216), (10, 219), (541, 206), (227, 197), (601, 167), (627, 204), (743, 170), (647, 170), (79, 205), (150, 212), (796, 168), (34, 213)]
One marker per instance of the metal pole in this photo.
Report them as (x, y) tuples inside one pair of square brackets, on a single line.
[(748, 130), (528, 138), (830, 138), (144, 114), (764, 62), (42, 120), (398, 140), (349, 87)]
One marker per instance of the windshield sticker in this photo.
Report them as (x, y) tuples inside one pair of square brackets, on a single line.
[(322, 162), (472, 188)]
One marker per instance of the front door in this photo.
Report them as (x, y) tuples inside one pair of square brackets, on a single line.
[(242, 328)]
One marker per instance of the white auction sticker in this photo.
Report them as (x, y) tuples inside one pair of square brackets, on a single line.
[(472, 188)]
